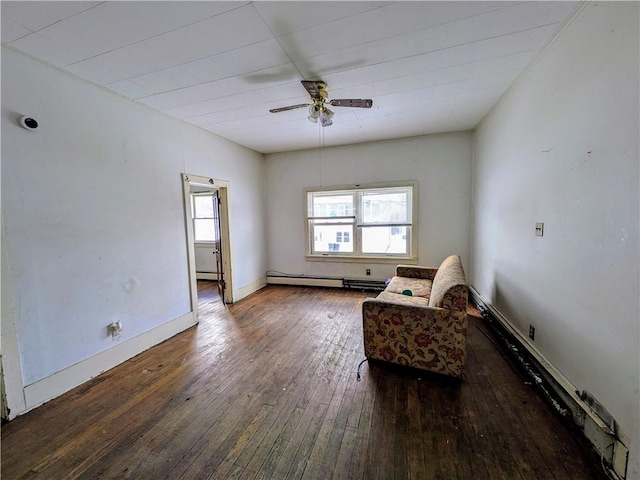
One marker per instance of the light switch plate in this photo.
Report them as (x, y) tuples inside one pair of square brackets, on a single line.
[(539, 229)]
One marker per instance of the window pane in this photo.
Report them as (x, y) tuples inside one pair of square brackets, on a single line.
[(325, 238), (386, 206), (331, 205), (385, 240), (203, 206), (204, 230)]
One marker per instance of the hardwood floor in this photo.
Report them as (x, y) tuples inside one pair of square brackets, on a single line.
[(266, 389)]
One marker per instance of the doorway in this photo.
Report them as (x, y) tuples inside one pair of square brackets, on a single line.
[(207, 225)]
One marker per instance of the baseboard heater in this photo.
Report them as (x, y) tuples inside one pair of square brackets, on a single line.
[(305, 281), (359, 284), (206, 276), (353, 283), (578, 408)]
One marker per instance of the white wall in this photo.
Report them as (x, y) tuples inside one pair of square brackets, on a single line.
[(440, 163), (562, 148), (92, 210)]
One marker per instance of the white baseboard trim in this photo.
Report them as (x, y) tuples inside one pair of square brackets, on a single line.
[(306, 282), (247, 290), (610, 447), (60, 382)]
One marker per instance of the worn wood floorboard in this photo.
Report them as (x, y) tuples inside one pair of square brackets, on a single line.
[(266, 389)]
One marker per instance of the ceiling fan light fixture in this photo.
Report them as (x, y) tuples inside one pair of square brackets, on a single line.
[(325, 121), (314, 113), (325, 117)]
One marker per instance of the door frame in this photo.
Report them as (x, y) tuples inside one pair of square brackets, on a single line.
[(14, 398), (225, 236)]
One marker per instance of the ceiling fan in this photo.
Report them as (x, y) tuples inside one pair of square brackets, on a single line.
[(318, 109)]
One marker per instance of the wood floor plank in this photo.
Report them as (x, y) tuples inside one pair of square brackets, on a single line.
[(493, 407), (313, 380), (228, 462), (321, 462), (415, 456), (363, 432), (266, 388), (299, 390), (402, 441)]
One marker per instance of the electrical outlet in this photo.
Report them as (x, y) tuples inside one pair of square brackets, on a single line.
[(539, 229), (115, 329), (368, 271), (532, 332)]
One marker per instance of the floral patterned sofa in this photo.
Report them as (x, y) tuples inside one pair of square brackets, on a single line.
[(426, 326)]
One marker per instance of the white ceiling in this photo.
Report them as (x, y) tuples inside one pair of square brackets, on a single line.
[(428, 66)]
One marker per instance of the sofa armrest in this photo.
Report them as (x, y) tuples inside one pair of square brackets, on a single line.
[(413, 271), (429, 338)]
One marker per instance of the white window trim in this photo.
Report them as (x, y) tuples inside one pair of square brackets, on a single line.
[(411, 258)]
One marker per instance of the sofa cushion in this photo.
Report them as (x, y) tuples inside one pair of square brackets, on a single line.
[(418, 287), (399, 298)]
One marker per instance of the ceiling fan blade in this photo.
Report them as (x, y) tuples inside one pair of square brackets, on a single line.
[(291, 107), (312, 88), (352, 102)]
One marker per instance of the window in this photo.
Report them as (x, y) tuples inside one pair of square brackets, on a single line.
[(368, 221), (202, 208)]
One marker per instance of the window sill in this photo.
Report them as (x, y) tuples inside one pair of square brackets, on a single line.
[(362, 259)]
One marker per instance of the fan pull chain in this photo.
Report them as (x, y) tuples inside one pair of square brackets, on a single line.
[(321, 148)]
